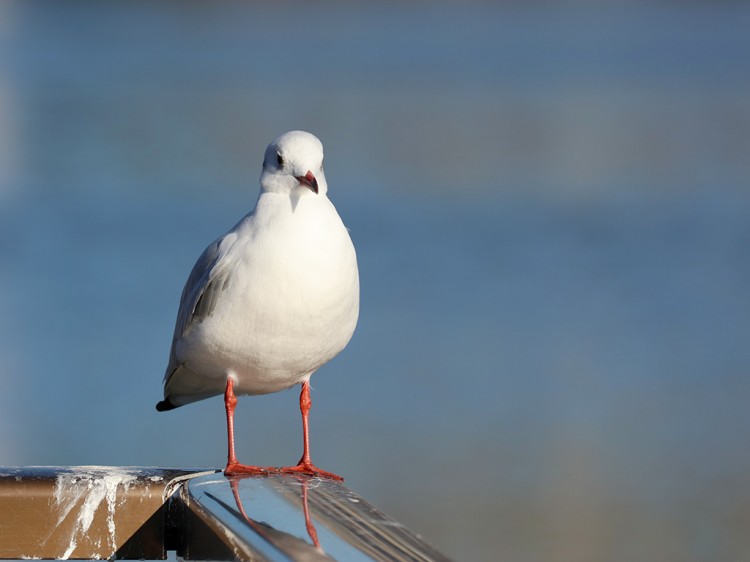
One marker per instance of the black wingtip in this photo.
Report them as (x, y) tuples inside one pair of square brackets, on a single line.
[(165, 405)]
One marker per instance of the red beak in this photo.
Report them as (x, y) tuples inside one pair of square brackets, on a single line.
[(309, 180)]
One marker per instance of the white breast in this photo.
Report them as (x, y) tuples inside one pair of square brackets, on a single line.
[(290, 306)]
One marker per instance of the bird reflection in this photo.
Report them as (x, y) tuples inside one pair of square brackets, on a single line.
[(292, 546)]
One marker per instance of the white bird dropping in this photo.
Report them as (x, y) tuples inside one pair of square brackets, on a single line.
[(272, 300)]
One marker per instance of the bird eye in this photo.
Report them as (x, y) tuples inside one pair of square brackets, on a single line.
[(280, 159)]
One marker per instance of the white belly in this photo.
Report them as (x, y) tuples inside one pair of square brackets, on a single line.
[(291, 305)]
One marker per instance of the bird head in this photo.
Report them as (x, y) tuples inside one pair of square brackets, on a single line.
[(293, 164)]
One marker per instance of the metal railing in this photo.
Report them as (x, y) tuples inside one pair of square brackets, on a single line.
[(144, 513)]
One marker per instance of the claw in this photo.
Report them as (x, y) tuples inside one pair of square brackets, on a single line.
[(237, 468), (310, 470)]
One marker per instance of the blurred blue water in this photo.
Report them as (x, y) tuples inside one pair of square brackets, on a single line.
[(550, 207)]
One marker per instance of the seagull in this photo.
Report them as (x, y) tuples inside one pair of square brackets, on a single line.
[(271, 301)]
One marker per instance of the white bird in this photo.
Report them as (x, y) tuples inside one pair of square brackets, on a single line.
[(272, 300)]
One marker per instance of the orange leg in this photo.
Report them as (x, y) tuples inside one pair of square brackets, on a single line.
[(233, 467), (305, 465)]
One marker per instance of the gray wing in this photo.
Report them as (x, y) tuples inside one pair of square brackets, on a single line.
[(210, 277)]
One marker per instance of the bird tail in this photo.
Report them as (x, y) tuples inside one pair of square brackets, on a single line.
[(165, 405)]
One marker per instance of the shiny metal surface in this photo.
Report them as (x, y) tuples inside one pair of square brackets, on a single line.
[(283, 517), (132, 513)]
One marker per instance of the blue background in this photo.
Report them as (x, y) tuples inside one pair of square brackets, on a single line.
[(551, 208)]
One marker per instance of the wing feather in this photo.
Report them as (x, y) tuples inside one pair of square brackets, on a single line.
[(210, 277)]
